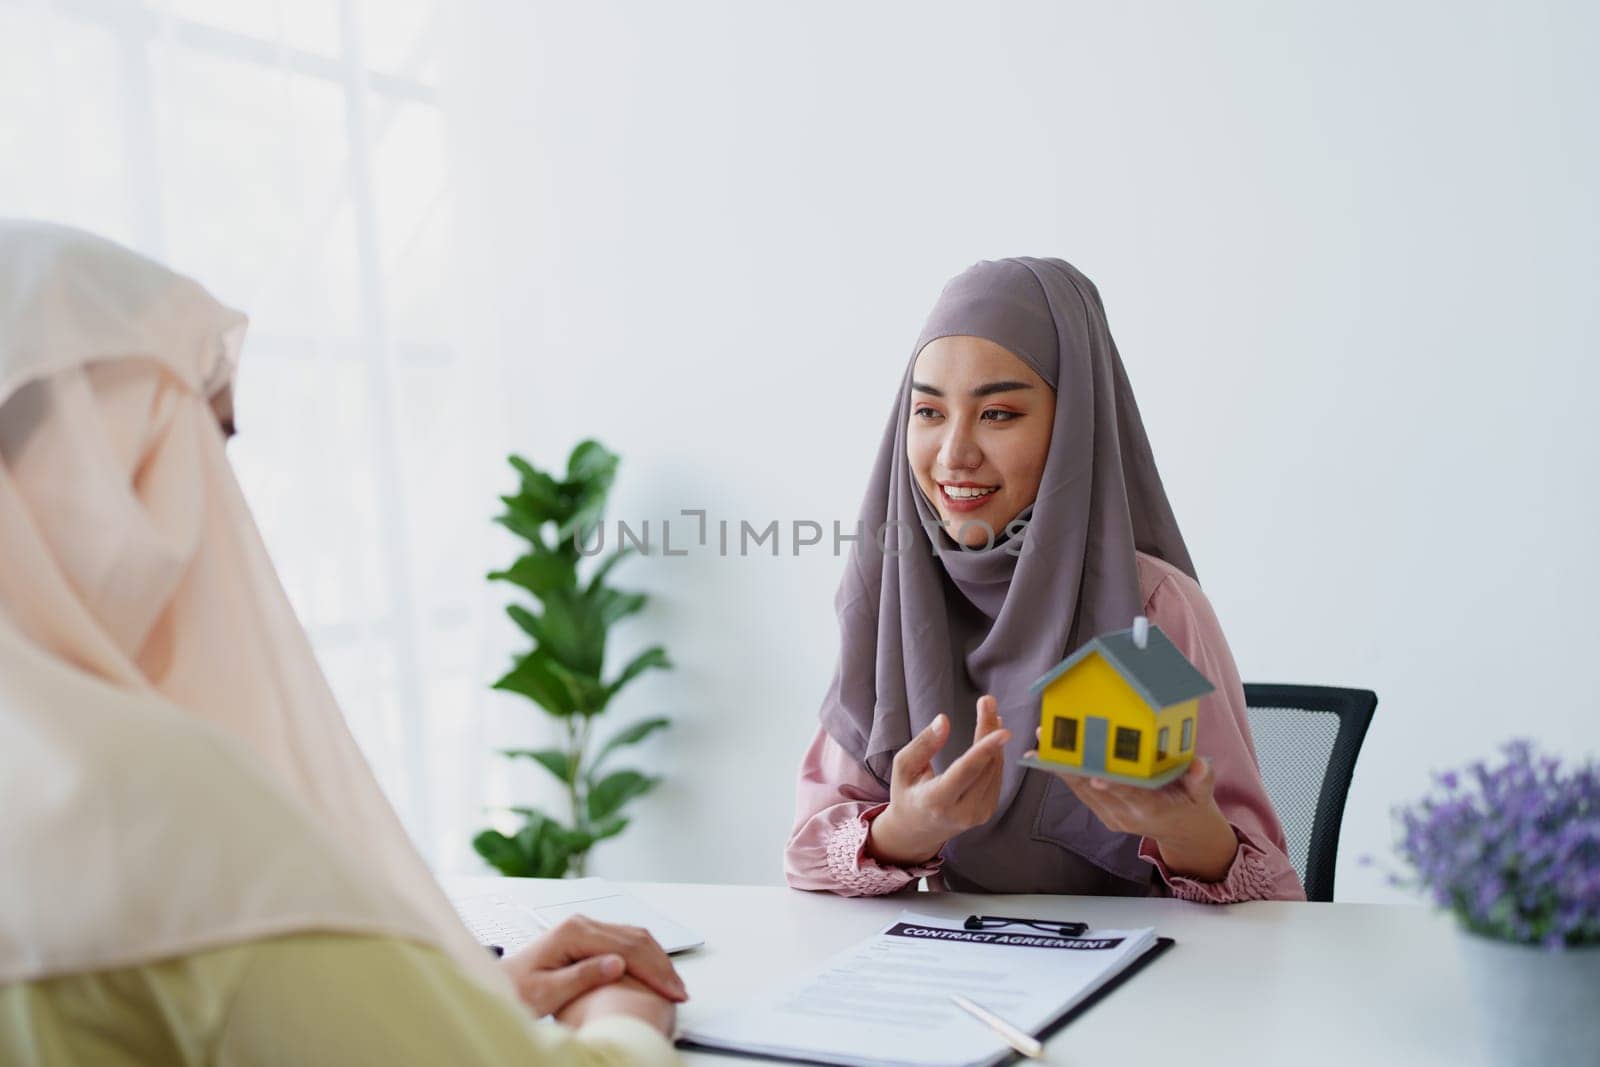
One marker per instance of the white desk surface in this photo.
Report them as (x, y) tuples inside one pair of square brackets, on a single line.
[(1359, 985)]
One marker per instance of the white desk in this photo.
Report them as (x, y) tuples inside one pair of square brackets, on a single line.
[(1359, 985)]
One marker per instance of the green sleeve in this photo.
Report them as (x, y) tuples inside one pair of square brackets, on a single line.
[(381, 1000), (304, 999)]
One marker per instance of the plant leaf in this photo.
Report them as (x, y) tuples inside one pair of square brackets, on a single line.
[(546, 844), (615, 790), (586, 692), (629, 736), (540, 497), (502, 853), (599, 576), (540, 572), (519, 522), (577, 842), (654, 656), (590, 463), (535, 677), (553, 760), (615, 604), (530, 623), (609, 828), (590, 471), (574, 629)]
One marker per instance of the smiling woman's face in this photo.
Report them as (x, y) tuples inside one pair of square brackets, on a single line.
[(979, 434)]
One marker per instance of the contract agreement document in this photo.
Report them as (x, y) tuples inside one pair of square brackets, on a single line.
[(886, 1001)]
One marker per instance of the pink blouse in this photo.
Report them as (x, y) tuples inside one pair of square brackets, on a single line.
[(837, 799)]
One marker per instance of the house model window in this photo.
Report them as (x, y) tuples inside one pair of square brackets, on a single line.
[(1163, 743), (1065, 734), (1127, 743), (1187, 740)]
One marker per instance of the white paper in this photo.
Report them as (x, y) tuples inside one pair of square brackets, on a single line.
[(887, 1000), (495, 917)]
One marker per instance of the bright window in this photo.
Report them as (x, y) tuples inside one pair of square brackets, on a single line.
[(292, 156)]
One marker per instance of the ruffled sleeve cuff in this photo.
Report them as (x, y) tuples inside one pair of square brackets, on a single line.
[(860, 874), (1248, 878)]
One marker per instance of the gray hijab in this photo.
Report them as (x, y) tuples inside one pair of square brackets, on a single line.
[(927, 626)]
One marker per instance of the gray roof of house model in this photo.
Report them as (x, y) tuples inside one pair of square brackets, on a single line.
[(1158, 672)]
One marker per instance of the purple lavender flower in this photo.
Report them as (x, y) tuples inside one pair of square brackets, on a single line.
[(1513, 850)]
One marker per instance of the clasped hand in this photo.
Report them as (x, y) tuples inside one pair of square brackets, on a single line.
[(584, 969)]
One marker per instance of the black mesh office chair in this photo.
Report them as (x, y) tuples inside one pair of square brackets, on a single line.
[(1307, 740)]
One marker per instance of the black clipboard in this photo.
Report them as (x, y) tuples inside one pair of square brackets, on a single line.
[(1052, 1027), (1055, 1025)]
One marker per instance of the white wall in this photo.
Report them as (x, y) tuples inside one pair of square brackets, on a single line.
[(1349, 255)]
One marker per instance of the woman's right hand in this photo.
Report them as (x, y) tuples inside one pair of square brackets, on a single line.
[(927, 809)]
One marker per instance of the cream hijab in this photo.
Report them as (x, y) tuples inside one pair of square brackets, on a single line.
[(177, 775)]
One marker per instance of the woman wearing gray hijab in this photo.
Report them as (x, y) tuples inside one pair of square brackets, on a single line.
[(1014, 511)]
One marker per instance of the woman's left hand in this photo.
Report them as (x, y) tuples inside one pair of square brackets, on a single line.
[(1182, 818)]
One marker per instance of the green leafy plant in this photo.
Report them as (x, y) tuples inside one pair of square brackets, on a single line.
[(562, 672)]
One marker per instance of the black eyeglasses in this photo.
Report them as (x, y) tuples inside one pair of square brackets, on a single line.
[(991, 922)]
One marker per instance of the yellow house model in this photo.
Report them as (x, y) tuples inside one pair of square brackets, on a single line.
[(1122, 707)]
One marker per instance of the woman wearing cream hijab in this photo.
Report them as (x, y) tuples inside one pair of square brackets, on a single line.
[(199, 865)]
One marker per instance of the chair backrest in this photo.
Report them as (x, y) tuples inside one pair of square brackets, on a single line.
[(1307, 740)]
